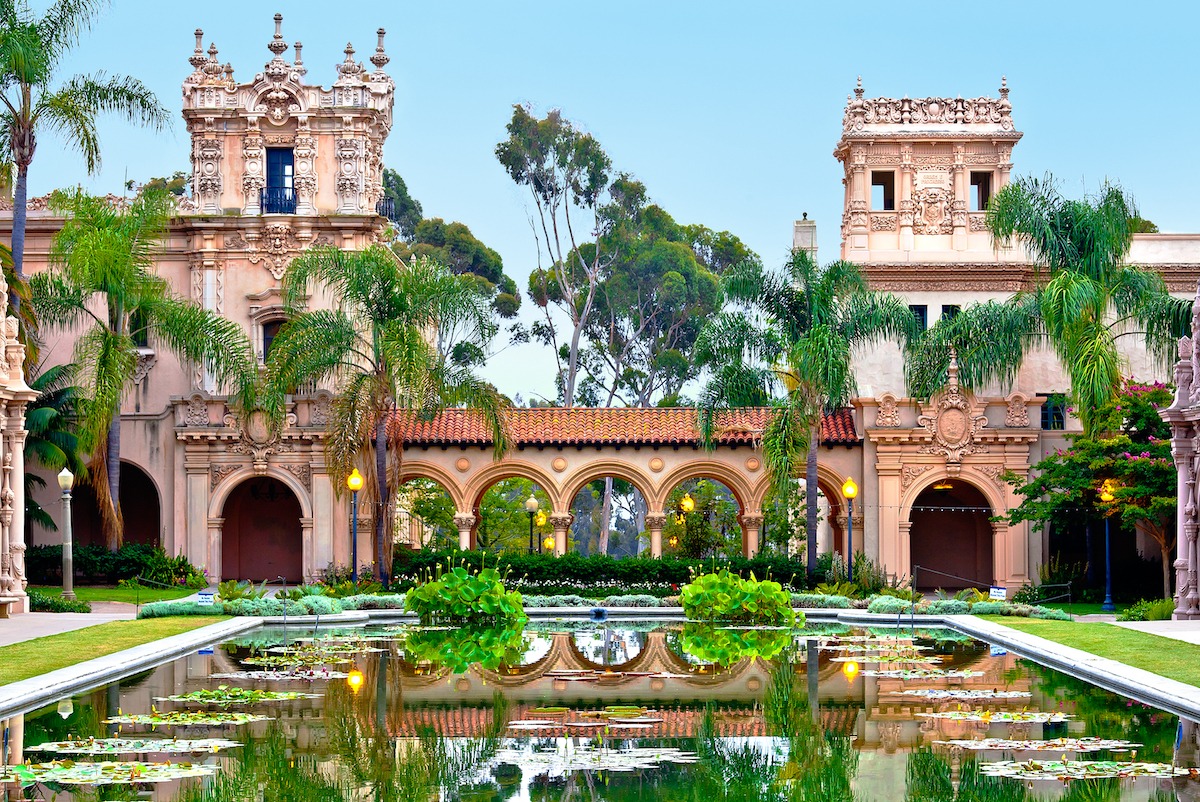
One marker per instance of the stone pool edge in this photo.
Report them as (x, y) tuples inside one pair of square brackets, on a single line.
[(29, 694)]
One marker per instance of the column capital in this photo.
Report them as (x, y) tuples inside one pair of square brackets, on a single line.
[(561, 520), (656, 520)]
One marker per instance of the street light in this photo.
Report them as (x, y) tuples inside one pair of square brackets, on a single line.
[(531, 507), (66, 480), (850, 491), (1107, 496), (539, 520), (355, 482), (355, 680)]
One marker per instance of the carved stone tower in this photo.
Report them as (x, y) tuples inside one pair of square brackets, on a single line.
[(919, 172)]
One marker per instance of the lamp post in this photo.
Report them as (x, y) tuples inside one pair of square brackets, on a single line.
[(355, 482), (850, 491), (1107, 496), (540, 520), (66, 480), (531, 507)]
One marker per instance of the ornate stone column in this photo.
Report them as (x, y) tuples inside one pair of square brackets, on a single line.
[(308, 568), (254, 180), (561, 521), (751, 526), (216, 526), (655, 522), (465, 522)]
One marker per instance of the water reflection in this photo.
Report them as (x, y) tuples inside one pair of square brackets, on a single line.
[(768, 714)]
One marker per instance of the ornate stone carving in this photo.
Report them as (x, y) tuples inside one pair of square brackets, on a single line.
[(888, 416), (206, 173), (932, 211), (1017, 414), (862, 112), (910, 474), (196, 413), (977, 222), (322, 410), (465, 521), (883, 222), (302, 472), (993, 472), (235, 242), (952, 422), (145, 361), (278, 247), (656, 520), (218, 471)]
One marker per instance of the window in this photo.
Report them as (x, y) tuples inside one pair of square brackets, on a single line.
[(921, 313), (279, 196), (981, 191), (883, 191), (138, 330), (269, 331), (1054, 412), (950, 311)]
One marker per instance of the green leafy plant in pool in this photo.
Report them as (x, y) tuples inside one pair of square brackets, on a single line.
[(725, 646), (458, 595), (458, 649), (728, 597)]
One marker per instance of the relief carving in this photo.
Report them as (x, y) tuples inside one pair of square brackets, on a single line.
[(932, 211), (1017, 415), (911, 473), (196, 413), (883, 222), (218, 473), (889, 415), (952, 422)]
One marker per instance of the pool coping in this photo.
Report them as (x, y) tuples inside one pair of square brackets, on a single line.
[(1153, 689)]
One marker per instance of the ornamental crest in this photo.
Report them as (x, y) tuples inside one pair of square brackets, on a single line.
[(932, 211), (953, 424), (279, 246)]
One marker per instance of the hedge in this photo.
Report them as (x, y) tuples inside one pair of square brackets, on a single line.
[(579, 571), (96, 565), (48, 603)]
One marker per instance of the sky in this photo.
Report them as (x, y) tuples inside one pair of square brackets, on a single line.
[(728, 112)]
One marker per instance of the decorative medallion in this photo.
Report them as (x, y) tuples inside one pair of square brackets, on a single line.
[(752, 464), (888, 416), (656, 464), (196, 413), (559, 464), (463, 465), (1017, 415), (953, 423)]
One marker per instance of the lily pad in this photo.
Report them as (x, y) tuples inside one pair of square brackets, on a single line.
[(963, 695), (134, 746), (999, 716), (185, 718), (68, 772), (224, 696), (1055, 745), (1068, 770)]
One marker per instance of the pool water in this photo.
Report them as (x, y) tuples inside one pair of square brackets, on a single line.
[(572, 711)]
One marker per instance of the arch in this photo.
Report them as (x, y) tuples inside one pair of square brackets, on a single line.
[(980, 482), (951, 537), (826, 476), (602, 470), (420, 469), (576, 483), (216, 501), (262, 536), (141, 509), (494, 472), (727, 475)]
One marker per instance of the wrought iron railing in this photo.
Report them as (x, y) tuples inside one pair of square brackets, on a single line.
[(386, 207), (278, 200)]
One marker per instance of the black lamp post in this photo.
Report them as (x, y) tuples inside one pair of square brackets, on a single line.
[(355, 482), (531, 507), (850, 491)]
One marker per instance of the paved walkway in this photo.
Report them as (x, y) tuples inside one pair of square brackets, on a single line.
[(1187, 631), (28, 626)]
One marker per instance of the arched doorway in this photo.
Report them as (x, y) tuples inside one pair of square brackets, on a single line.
[(262, 536), (951, 537), (141, 510)]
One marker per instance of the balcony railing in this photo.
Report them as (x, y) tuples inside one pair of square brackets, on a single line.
[(278, 200), (386, 207)]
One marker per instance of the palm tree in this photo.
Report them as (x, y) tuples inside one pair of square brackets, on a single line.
[(51, 440), (101, 287), (31, 49), (789, 347), (1086, 298), (385, 344)]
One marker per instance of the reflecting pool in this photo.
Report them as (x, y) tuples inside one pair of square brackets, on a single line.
[(585, 711)]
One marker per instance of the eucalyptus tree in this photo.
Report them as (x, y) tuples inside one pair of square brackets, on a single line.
[(1084, 300), (32, 48), (102, 288), (786, 341), (384, 345)]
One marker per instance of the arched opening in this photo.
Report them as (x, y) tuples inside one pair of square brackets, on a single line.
[(951, 537), (141, 510), (425, 515), (262, 537), (785, 521), (609, 517), (504, 523), (702, 520)]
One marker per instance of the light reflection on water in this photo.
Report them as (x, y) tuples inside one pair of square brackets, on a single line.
[(723, 723)]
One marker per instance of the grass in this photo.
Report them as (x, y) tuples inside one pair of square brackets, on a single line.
[(1085, 608), (1166, 657), (35, 657), (109, 593)]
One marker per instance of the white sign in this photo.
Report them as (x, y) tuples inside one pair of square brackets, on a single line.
[(204, 599), (998, 594), (997, 651)]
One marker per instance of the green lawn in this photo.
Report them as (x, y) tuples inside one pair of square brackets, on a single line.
[(108, 593), (1085, 608), (35, 657), (1163, 656)]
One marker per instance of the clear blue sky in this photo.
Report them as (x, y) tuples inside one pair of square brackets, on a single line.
[(729, 112)]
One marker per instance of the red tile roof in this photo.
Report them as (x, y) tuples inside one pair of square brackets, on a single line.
[(606, 425)]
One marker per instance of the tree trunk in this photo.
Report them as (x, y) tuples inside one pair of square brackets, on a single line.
[(810, 502), (605, 516), (20, 216), (112, 460), (1166, 569), (383, 562)]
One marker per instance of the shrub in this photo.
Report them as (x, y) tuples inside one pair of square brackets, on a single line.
[(370, 601), (166, 609), (48, 603), (458, 595), (97, 565), (847, 589), (1149, 610), (1050, 613), (233, 590), (341, 590), (908, 594), (888, 605), (989, 608), (944, 607), (636, 600), (820, 601), (727, 597), (263, 607), (303, 591), (1027, 594)]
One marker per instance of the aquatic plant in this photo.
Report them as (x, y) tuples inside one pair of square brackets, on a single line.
[(458, 649), (1054, 745), (1069, 770), (182, 718), (458, 595), (134, 746), (224, 695), (124, 772), (726, 646), (728, 597)]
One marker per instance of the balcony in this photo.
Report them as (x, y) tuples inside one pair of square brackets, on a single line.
[(386, 207), (277, 200)]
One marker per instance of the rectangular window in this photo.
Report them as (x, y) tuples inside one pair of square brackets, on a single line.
[(279, 196), (883, 191), (269, 331), (981, 191), (1054, 412), (950, 311), (921, 313)]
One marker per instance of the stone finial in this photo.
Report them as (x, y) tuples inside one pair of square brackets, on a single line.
[(1004, 86), (212, 66), (228, 73), (952, 371), (380, 59), (197, 60), (299, 59), (277, 45), (349, 68), (858, 90)]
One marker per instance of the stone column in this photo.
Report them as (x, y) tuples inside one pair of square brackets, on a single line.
[(904, 201), (308, 567), (893, 533), (196, 510), (751, 526), (213, 549), (958, 206), (465, 522), (561, 521), (655, 521), (903, 546)]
